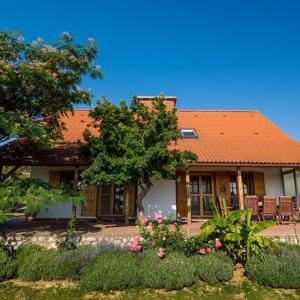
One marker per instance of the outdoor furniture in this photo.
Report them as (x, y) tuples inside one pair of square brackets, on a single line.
[(296, 208), (234, 202), (285, 211), (252, 203), (221, 207), (269, 207)]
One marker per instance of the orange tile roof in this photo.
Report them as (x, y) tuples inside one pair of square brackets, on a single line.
[(238, 137)]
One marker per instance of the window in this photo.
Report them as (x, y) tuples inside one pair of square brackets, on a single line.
[(188, 133), (247, 185)]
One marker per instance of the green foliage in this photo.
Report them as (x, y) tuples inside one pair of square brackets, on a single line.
[(114, 270), (8, 266), (68, 240), (25, 250), (134, 145), (39, 81), (36, 263), (276, 270), (168, 236), (173, 272), (214, 267), (238, 234), (33, 195)]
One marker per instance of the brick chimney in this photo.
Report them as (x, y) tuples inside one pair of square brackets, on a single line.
[(170, 101)]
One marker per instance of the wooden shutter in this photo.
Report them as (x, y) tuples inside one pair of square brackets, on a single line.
[(259, 184), (181, 196), (90, 206), (54, 178), (130, 199), (223, 187)]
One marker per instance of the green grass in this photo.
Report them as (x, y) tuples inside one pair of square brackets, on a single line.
[(244, 290)]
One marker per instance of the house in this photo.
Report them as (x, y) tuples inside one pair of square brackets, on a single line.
[(239, 153)]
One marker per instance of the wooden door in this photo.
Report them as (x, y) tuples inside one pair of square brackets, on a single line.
[(223, 187), (259, 184)]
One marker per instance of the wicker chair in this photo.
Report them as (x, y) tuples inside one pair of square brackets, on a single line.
[(252, 203), (286, 209), (269, 207)]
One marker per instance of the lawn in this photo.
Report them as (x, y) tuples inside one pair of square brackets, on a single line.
[(16, 289)]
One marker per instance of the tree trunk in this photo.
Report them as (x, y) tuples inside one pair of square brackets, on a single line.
[(144, 189)]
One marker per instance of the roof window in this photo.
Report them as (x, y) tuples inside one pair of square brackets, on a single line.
[(188, 133)]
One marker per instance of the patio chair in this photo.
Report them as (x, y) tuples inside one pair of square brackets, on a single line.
[(252, 203), (269, 208), (286, 209), (221, 207)]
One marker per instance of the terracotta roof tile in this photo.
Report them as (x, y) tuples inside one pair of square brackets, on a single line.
[(223, 136), (237, 137)]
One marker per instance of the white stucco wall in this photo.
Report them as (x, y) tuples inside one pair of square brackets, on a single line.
[(59, 210), (161, 197)]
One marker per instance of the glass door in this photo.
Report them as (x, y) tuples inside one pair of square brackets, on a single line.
[(112, 200), (201, 191)]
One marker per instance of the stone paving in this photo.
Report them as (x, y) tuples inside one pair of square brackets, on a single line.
[(45, 232)]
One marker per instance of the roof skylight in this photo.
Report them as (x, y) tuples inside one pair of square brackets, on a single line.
[(188, 133)]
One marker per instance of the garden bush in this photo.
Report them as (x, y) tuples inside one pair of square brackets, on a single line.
[(26, 250), (214, 267), (280, 270), (113, 270), (175, 271), (54, 264), (8, 266)]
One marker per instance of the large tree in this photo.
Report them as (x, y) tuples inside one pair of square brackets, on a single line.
[(134, 145), (39, 81)]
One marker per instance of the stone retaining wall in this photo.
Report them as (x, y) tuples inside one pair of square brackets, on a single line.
[(49, 241)]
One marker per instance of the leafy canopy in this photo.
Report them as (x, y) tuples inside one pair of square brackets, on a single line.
[(134, 144), (38, 81), (33, 195)]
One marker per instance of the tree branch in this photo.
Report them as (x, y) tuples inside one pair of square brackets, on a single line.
[(9, 173)]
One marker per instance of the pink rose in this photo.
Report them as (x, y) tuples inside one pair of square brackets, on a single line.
[(139, 247), (145, 220), (208, 250), (202, 251), (158, 217), (161, 252), (134, 246), (137, 238), (218, 243)]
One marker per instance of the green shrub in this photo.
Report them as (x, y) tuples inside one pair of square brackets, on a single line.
[(175, 271), (214, 267), (8, 266), (277, 271), (113, 270), (37, 265), (26, 250), (54, 264)]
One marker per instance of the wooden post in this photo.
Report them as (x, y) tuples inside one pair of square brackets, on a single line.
[(188, 197), (295, 182), (75, 187), (127, 194), (240, 190)]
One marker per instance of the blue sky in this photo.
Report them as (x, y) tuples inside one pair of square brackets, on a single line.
[(210, 54)]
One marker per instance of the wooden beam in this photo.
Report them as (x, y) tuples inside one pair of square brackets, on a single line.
[(75, 187), (188, 197), (126, 187), (240, 190)]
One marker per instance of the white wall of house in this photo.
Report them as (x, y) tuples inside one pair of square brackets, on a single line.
[(161, 197), (59, 210)]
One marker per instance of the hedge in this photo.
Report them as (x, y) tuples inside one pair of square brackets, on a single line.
[(114, 270), (175, 271), (277, 271), (214, 267)]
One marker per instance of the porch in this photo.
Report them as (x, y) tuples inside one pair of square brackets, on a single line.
[(199, 184)]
